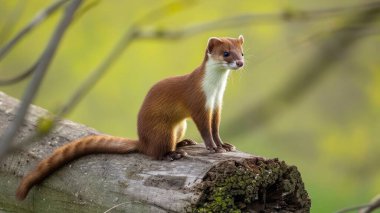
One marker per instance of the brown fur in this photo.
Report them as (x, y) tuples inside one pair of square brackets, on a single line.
[(160, 120)]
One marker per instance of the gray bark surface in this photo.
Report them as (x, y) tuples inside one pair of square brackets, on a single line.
[(95, 183)]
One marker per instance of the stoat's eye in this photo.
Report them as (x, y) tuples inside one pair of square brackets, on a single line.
[(242, 54), (226, 54)]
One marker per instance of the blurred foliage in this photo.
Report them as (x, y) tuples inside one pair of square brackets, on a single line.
[(331, 133)]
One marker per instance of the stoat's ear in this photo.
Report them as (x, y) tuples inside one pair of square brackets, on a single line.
[(212, 42), (241, 39)]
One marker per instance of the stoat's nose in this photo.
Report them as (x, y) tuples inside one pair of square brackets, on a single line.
[(239, 63)]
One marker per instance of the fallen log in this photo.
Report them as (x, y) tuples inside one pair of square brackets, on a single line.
[(201, 182)]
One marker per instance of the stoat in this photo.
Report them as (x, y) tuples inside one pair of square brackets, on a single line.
[(162, 118)]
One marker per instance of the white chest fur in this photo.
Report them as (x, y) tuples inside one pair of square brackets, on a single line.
[(214, 83)]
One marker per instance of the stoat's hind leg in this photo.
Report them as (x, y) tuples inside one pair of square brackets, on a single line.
[(180, 130)]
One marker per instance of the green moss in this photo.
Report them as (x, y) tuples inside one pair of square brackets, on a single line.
[(253, 184)]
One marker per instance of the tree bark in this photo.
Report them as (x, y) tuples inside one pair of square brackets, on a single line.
[(201, 182)]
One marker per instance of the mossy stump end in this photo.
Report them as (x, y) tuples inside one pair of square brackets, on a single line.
[(253, 185)]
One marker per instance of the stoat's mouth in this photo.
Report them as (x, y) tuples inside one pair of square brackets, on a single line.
[(233, 66)]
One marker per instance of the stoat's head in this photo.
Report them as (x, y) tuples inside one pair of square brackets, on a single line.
[(225, 53)]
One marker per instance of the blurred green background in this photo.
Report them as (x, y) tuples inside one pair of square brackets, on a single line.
[(330, 132)]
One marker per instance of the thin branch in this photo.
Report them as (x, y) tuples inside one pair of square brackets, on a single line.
[(85, 9), (354, 208), (96, 74), (330, 51), (366, 208), (41, 69), (20, 77), (41, 16), (11, 21), (130, 35), (248, 19), (375, 204)]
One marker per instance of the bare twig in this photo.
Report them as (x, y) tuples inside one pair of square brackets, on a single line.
[(11, 21), (41, 16), (130, 35), (42, 66), (19, 77), (375, 204), (85, 8), (95, 75), (47, 11), (248, 19), (366, 208), (354, 208), (330, 51)]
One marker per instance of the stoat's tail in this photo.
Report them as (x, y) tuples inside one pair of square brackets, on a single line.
[(71, 151)]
